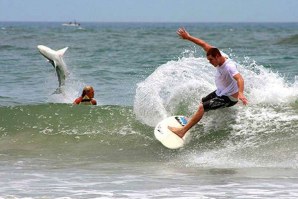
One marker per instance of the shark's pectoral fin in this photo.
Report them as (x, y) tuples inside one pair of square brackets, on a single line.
[(51, 62), (54, 64)]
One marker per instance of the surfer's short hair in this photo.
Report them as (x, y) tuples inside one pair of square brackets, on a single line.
[(213, 52)]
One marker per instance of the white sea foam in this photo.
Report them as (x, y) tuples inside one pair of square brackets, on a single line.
[(265, 86), (177, 87), (174, 83), (255, 133)]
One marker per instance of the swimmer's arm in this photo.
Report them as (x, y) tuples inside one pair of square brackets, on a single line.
[(77, 101), (93, 102)]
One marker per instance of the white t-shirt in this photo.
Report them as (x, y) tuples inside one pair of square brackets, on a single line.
[(224, 81)]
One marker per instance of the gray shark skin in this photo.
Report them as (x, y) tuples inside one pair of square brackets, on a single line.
[(56, 59)]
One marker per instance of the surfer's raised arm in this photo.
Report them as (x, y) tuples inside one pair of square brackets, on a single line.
[(185, 35)]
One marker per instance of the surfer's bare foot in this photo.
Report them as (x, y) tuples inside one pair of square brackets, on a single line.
[(177, 131)]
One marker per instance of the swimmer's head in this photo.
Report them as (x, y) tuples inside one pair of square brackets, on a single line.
[(88, 91)]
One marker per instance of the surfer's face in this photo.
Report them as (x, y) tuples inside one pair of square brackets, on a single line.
[(213, 60)]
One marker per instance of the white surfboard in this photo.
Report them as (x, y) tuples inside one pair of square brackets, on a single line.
[(167, 137)]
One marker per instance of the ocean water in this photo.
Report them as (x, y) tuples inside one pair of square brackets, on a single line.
[(142, 73)]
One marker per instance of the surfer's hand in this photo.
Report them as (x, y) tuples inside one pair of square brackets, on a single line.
[(243, 99), (183, 33)]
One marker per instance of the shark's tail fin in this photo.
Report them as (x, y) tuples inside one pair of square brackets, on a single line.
[(62, 51)]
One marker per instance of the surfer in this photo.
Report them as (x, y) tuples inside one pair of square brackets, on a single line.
[(228, 80), (87, 97)]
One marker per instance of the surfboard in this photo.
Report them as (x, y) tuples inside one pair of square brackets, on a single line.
[(167, 137)]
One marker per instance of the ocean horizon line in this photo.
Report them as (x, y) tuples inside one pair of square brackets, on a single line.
[(160, 22)]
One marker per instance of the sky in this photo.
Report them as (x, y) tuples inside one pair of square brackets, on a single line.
[(150, 10)]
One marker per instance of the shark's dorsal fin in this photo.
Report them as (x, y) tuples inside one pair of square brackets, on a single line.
[(62, 51)]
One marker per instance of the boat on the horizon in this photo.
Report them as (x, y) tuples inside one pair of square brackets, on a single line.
[(75, 24)]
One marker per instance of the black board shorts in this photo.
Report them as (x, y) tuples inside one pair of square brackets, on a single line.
[(213, 102)]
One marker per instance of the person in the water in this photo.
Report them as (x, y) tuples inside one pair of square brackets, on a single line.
[(87, 97)]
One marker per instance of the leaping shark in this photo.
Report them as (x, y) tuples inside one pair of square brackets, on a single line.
[(56, 59)]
